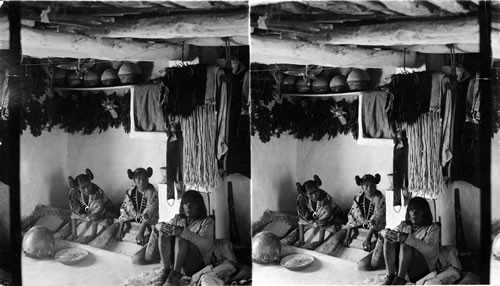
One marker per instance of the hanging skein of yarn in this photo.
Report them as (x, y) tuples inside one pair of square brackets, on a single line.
[(199, 159)]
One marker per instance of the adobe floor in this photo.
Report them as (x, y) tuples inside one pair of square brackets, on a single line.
[(324, 270), (101, 267)]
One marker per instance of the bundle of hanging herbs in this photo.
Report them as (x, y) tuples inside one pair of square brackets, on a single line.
[(302, 117), (77, 112)]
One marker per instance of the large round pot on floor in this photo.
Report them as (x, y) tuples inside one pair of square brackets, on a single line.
[(266, 248), (38, 242)]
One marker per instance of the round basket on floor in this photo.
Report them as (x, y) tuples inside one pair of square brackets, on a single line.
[(71, 256), (296, 262)]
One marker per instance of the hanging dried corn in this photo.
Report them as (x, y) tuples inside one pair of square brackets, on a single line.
[(199, 160), (424, 170)]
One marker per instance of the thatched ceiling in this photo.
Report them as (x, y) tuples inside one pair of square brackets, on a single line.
[(366, 28)]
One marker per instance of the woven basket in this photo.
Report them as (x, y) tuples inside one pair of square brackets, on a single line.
[(358, 85)]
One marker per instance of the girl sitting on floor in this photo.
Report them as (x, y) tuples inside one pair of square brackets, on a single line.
[(140, 204), (316, 209), (88, 202), (367, 211)]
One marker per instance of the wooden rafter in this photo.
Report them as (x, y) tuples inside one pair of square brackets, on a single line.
[(275, 51), (43, 44), (180, 26)]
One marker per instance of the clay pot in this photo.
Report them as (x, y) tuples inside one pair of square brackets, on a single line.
[(266, 248), (91, 78), (339, 84), (303, 85), (110, 77), (320, 84), (129, 73), (358, 79), (38, 242), (74, 79)]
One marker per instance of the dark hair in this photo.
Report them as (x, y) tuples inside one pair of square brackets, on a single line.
[(367, 178), (132, 174), (193, 196), (420, 204)]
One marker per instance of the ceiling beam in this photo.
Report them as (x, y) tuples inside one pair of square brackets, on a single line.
[(441, 49), (431, 32), (43, 44), (214, 42), (180, 26), (276, 51)]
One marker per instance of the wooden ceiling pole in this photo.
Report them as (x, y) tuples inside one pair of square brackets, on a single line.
[(276, 51), (436, 32), (41, 44), (217, 41), (180, 26)]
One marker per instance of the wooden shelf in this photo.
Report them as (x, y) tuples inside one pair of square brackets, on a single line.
[(93, 88), (341, 94)]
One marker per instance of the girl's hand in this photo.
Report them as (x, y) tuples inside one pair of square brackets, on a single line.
[(396, 236), (164, 228)]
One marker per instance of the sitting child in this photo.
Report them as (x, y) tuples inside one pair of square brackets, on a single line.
[(367, 210), (140, 204), (88, 202), (315, 209)]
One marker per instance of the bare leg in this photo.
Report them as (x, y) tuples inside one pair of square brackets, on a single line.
[(94, 229), (321, 235), (181, 249), (73, 229), (151, 247), (301, 234), (405, 257), (164, 244), (119, 234), (390, 257)]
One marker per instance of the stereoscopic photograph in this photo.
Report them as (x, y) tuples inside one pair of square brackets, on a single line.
[(258, 142)]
